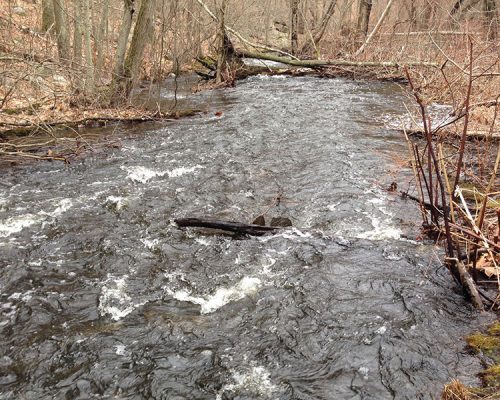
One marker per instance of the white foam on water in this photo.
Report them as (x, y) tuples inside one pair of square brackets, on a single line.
[(266, 267), (256, 381), (114, 300), (117, 201), (221, 297), (382, 224), (364, 371), (17, 224), (142, 174), (63, 206), (381, 330), (288, 233), (381, 231), (203, 241), (333, 207), (176, 172), (121, 350), (150, 244), (26, 296)]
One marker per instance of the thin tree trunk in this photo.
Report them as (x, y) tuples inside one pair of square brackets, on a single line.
[(321, 29), (426, 15), (47, 15), (100, 38), (412, 14), (319, 33), (221, 43), (294, 26), (491, 19), (62, 31), (142, 33), (77, 33), (89, 62), (119, 69), (365, 9)]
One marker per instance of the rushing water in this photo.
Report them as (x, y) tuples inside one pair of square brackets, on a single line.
[(103, 297)]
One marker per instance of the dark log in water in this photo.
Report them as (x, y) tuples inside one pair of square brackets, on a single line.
[(230, 226)]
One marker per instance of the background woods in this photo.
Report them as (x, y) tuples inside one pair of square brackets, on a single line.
[(74, 52)]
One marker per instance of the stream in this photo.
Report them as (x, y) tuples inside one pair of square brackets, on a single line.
[(102, 296)]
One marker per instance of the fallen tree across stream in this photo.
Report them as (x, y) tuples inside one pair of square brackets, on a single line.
[(332, 63)]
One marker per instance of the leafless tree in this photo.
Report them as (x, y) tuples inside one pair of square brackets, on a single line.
[(63, 44), (364, 12)]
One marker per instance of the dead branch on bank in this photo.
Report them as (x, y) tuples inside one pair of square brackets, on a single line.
[(441, 172), (438, 193), (7, 128)]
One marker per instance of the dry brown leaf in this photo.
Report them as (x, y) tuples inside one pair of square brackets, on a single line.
[(486, 266)]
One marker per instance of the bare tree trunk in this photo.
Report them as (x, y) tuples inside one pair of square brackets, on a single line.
[(89, 62), (426, 15), (142, 33), (77, 34), (62, 31), (221, 44), (491, 18), (412, 13), (47, 15), (294, 26), (365, 9), (119, 69), (100, 37)]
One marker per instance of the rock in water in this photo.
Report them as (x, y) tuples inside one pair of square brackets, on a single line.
[(260, 220), (281, 221)]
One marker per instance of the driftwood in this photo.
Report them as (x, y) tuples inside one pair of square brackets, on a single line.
[(424, 204), (469, 285), (229, 226), (26, 128)]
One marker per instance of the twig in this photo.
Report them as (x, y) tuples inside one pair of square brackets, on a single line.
[(466, 122), (477, 231), (27, 155)]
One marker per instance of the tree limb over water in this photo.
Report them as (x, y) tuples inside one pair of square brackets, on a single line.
[(332, 63)]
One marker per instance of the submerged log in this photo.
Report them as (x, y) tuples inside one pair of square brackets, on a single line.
[(229, 226)]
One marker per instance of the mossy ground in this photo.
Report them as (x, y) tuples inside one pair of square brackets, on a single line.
[(487, 344)]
